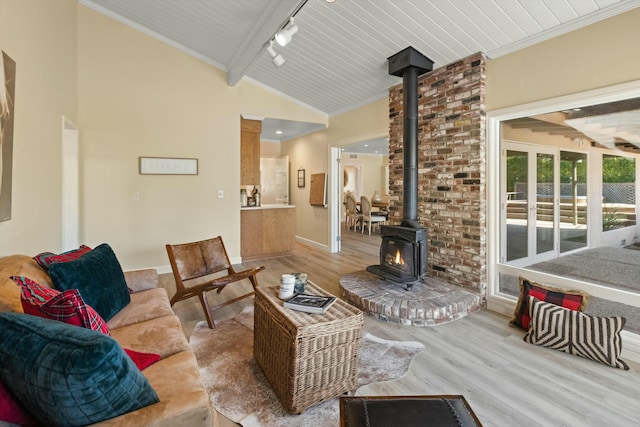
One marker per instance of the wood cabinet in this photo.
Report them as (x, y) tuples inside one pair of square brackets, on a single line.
[(267, 232), (250, 131)]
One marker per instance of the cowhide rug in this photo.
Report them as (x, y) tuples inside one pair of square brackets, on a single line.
[(240, 391)]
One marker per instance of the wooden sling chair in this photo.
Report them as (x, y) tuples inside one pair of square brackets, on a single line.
[(203, 266)]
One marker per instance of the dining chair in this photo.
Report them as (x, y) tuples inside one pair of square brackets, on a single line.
[(353, 216), (369, 218), (203, 266)]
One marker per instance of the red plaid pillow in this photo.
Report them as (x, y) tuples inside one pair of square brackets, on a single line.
[(571, 299), (67, 306), (45, 259)]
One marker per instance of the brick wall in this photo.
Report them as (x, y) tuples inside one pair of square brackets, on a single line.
[(451, 169)]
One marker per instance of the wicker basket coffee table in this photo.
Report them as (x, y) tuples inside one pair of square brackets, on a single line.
[(307, 358)]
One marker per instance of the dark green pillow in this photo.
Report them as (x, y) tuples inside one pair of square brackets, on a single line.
[(99, 278), (66, 375)]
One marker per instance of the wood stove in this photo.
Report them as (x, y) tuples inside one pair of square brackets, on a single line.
[(403, 253)]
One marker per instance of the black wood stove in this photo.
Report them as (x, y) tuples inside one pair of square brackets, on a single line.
[(403, 253)]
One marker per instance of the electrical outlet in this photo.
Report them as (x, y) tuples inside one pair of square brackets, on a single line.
[(220, 194)]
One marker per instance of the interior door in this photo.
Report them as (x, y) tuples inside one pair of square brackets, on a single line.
[(529, 208)]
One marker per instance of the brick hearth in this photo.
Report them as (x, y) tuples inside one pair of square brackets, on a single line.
[(428, 303)]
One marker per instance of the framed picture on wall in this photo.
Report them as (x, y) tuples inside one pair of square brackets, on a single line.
[(300, 177)]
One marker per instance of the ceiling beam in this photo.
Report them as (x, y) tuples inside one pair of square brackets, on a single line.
[(274, 17)]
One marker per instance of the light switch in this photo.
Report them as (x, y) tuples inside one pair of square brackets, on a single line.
[(136, 196), (220, 194)]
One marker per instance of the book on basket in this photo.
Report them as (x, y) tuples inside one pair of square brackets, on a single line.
[(309, 303)]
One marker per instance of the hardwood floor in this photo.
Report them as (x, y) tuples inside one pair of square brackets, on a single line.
[(506, 381)]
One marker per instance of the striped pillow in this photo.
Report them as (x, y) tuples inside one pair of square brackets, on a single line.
[(595, 338)]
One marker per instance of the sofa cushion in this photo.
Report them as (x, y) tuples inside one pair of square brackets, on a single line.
[(182, 403), (595, 338), (163, 336), (101, 383), (99, 278), (145, 305), (67, 306), (18, 265), (45, 259), (572, 299)]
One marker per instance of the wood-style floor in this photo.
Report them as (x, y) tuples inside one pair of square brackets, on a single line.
[(506, 381)]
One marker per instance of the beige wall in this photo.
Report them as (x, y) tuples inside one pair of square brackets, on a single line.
[(141, 97), (600, 55), (40, 36), (367, 122), (308, 152), (372, 172), (311, 152)]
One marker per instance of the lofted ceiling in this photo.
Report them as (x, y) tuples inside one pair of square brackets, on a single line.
[(337, 61)]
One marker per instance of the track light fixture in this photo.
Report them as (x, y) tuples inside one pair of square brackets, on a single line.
[(283, 37), (277, 59)]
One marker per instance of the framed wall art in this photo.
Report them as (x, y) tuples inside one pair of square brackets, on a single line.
[(168, 166), (300, 177), (7, 101)]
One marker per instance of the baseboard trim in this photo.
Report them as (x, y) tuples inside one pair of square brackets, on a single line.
[(312, 243)]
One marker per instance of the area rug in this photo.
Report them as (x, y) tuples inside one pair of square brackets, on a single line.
[(239, 390)]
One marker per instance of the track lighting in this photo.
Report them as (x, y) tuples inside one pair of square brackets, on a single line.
[(277, 59), (283, 37)]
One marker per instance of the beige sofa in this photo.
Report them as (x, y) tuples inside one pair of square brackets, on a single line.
[(147, 324)]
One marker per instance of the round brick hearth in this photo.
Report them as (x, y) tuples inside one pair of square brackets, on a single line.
[(427, 303)]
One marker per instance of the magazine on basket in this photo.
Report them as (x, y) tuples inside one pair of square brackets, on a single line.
[(309, 303)]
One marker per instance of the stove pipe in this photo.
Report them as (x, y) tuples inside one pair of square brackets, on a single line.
[(410, 64)]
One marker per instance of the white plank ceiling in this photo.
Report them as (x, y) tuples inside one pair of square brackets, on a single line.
[(338, 59)]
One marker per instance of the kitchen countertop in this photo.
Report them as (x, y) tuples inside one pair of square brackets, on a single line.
[(270, 206)]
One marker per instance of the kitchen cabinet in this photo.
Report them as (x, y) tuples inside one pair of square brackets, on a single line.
[(267, 231), (250, 131)]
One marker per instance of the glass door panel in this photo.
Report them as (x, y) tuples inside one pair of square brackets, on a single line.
[(529, 216), (618, 192), (516, 210), (545, 203), (573, 201)]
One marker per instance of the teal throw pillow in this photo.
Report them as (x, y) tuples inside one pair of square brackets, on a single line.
[(99, 278), (68, 376)]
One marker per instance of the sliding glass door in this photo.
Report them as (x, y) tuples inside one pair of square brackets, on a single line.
[(529, 204), (573, 201)]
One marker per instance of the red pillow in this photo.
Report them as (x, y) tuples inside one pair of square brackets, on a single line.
[(12, 411), (142, 360), (45, 259), (568, 298), (67, 306)]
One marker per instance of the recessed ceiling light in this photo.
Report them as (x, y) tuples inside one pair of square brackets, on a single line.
[(278, 132)]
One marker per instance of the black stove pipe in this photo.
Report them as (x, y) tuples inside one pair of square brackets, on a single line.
[(410, 64), (410, 136)]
